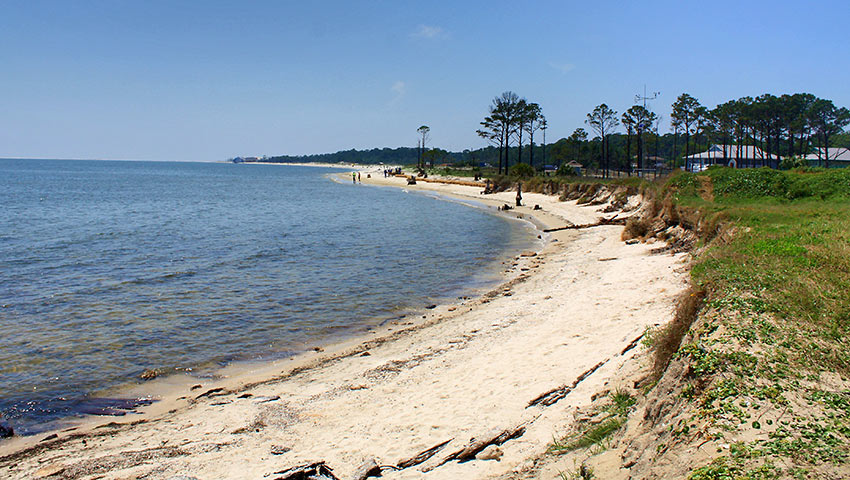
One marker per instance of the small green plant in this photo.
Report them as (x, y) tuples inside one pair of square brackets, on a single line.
[(616, 410), (590, 437), (621, 402), (583, 472)]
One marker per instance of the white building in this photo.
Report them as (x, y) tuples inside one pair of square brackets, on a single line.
[(746, 156), (837, 157)]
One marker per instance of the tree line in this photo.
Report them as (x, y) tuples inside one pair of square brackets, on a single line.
[(790, 125)]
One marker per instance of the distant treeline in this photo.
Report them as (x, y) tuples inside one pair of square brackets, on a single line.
[(787, 125), (574, 148)]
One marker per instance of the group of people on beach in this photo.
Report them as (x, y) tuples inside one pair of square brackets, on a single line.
[(392, 171)]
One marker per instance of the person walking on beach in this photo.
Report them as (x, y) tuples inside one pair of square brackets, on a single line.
[(358, 177)]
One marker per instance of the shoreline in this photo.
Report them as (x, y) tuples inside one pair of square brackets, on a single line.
[(341, 405), (165, 389)]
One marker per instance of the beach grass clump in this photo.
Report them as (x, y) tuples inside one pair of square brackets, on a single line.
[(608, 418)]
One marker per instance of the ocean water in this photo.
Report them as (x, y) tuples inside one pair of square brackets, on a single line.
[(111, 268)]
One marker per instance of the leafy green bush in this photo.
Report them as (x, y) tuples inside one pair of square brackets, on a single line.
[(789, 163), (565, 170), (522, 170)]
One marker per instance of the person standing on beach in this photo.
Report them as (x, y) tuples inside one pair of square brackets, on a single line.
[(353, 177), (358, 176)]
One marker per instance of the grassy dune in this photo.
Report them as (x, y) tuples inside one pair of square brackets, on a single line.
[(752, 379)]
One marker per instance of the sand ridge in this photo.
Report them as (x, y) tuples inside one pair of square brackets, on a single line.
[(465, 369)]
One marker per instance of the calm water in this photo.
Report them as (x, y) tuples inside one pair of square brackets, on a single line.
[(111, 268)]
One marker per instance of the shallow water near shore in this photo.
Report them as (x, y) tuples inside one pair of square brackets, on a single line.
[(111, 268)]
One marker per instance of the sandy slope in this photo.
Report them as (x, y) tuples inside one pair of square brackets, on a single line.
[(463, 370)]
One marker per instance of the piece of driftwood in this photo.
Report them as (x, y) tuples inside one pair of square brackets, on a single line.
[(370, 468), (422, 456), (631, 345), (476, 444), (211, 392), (310, 471), (556, 394), (602, 221)]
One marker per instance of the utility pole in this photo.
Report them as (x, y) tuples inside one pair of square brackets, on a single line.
[(543, 127), (638, 99)]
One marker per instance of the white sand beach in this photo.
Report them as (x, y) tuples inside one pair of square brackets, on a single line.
[(454, 372)]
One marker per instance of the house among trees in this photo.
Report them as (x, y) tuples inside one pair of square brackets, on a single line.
[(746, 156), (831, 158)]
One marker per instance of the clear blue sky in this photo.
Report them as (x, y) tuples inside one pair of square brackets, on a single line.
[(204, 80)]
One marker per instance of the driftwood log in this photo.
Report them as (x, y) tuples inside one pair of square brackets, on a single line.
[(476, 444), (554, 395), (631, 345), (310, 471), (602, 221), (422, 456), (370, 468)]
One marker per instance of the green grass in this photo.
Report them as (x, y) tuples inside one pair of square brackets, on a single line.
[(777, 317), (612, 416), (590, 437)]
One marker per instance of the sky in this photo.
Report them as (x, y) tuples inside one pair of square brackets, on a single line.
[(208, 80)]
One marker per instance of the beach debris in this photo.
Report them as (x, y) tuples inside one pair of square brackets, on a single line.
[(318, 349), (431, 307), (601, 222), (213, 392), (183, 477), (537, 207), (505, 207), (114, 407), (632, 241), (310, 471), (6, 430), (528, 254), (369, 468), (608, 259), (195, 387), (279, 449), (422, 456), (477, 444), (556, 394), (245, 395), (151, 373), (254, 426), (490, 453), (49, 471), (52, 436), (267, 399), (365, 354), (631, 344)]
